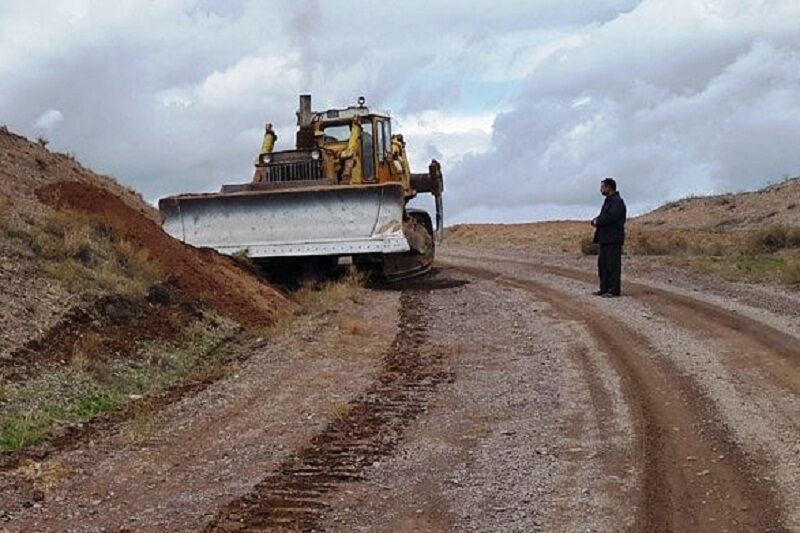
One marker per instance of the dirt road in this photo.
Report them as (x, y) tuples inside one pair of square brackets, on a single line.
[(496, 395)]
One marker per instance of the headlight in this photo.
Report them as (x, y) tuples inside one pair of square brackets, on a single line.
[(265, 159), (315, 155)]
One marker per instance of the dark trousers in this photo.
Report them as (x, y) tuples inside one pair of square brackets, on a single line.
[(609, 267)]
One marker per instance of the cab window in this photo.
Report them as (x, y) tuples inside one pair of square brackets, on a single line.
[(367, 152), (381, 142), (336, 133)]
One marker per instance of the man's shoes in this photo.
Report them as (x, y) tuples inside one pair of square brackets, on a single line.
[(609, 295), (599, 293)]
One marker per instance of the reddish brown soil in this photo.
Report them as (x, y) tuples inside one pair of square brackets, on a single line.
[(201, 273)]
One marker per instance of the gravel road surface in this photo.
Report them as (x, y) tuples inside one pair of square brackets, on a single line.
[(496, 395)]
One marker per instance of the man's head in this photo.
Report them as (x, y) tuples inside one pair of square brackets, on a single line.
[(608, 187)]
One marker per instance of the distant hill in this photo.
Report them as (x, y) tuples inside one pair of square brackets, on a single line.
[(722, 221), (774, 205)]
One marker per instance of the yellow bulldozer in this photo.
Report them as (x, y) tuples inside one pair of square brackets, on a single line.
[(342, 192)]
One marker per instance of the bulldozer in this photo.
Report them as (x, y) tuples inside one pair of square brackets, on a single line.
[(342, 192)]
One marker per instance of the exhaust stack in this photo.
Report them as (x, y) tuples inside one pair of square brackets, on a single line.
[(305, 132), (304, 111)]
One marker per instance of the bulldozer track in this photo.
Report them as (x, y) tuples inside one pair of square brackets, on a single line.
[(673, 421), (295, 497)]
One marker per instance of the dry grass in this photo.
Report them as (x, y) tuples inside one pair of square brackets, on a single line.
[(745, 267), (142, 424), (757, 255), (588, 246), (89, 353), (351, 327), (83, 254), (477, 432), (546, 237), (775, 238), (43, 475), (336, 408), (5, 219), (791, 273), (315, 296)]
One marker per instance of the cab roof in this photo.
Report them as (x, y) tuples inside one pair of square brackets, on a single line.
[(348, 113)]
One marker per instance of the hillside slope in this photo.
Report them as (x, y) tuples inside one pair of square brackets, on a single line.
[(100, 307), (723, 222), (774, 205), (68, 236)]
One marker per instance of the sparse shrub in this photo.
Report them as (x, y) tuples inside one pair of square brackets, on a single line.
[(791, 274), (43, 141), (4, 214), (775, 238), (43, 475), (89, 352), (657, 244), (588, 246), (79, 244), (352, 327), (83, 254), (314, 295)]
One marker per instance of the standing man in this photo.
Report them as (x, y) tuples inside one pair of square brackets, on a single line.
[(610, 236)]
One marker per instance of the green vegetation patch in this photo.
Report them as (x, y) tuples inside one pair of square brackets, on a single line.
[(92, 386), (744, 267)]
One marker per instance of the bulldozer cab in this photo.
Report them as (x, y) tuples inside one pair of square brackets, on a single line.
[(361, 133)]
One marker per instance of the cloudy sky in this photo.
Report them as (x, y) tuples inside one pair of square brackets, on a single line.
[(527, 104)]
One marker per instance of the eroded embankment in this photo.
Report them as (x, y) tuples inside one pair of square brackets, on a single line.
[(144, 313), (297, 495)]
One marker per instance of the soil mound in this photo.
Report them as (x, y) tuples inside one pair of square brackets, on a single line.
[(202, 273)]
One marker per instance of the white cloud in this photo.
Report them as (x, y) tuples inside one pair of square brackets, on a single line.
[(445, 137), (673, 98), (527, 104), (49, 119), (252, 79)]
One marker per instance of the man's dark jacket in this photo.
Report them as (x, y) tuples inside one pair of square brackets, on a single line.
[(610, 224)]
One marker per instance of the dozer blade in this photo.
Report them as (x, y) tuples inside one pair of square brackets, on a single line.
[(326, 220)]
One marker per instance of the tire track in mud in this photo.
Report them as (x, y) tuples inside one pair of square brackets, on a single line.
[(296, 496), (751, 344), (693, 475)]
